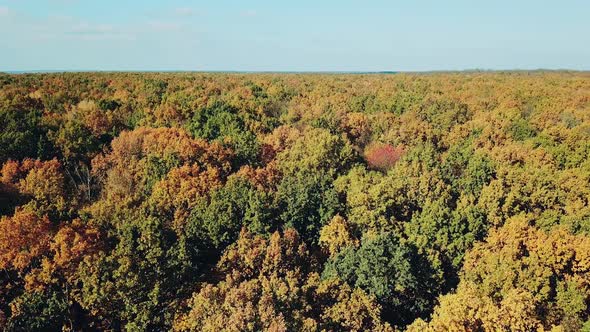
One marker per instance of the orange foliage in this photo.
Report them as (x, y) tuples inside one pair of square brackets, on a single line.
[(179, 191), (131, 146), (357, 128), (123, 169), (43, 181), (263, 178), (73, 242), (24, 237), (269, 286)]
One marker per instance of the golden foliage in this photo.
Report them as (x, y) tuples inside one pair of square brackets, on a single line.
[(336, 235), (24, 238)]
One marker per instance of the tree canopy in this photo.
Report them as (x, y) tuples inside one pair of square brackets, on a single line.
[(295, 202)]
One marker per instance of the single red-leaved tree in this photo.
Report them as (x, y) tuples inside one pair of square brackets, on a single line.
[(383, 156)]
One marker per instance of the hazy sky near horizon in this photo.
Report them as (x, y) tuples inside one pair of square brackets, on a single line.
[(304, 35)]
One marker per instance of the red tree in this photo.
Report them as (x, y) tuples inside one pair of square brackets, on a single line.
[(383, 156)]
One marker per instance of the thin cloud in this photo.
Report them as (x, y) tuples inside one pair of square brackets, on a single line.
[(249, 13), (65, 28), (89, 29), (64, 2), (58, 18), (5, 11), (184, 11), (163, 26)]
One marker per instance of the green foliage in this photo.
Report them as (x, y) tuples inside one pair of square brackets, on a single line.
[(74, 140), (245, 202), (445, 235), (139, 277), (22, 135), (521, 130), (39, 311), (318, 151), (519, 278), (108, 104), (444, 114), (154, 91), (393, 271), (218, 219), (222, 122), (156, 168), (372, 200), (466, 171), (306, 202)]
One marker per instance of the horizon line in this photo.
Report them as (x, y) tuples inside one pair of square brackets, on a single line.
[(57, 71)]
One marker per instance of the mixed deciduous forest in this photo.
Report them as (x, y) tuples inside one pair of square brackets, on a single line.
[(295, 202)]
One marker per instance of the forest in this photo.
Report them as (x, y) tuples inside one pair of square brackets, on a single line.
[(295, 202)]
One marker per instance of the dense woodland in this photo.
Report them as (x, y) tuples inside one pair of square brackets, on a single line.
[(295, 202)]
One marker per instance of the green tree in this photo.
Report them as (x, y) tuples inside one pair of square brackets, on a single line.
[(307, 202), (219, 217), (22, 135), (223, 122), (392, 270), (39, 311)]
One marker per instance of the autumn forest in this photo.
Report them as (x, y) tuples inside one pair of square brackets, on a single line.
[(295, 202)]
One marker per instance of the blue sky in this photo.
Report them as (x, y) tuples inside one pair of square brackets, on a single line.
[(304, 35)]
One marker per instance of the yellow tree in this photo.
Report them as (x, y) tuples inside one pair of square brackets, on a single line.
[(270, 285), (521, 278)]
